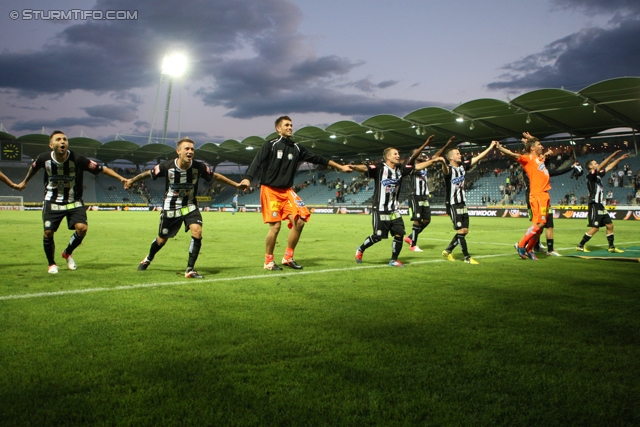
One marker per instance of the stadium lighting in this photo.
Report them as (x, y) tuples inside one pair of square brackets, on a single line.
[(174, 65), (528, 119), (249, 148), (460, 119), (333, 136), (472, 126)]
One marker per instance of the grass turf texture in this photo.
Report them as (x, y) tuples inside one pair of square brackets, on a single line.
[(507, 342)]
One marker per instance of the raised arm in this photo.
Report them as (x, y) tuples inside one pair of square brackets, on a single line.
[(606, 161), (480, 156), (359, 168), (505, 151), (615, 162), (444, 148), (417, 151)]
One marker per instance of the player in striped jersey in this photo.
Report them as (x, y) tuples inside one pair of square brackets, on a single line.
[(454, 174), (419, 208), (385, 215), (63, 181), (180, 204), (598, 214)]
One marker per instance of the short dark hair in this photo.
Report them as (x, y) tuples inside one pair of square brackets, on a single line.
[(281, 118), (55, 132), (530, 143), (185, 139)]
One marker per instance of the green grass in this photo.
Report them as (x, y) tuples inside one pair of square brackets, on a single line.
[(507, 342)]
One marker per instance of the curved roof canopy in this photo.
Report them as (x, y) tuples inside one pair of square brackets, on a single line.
[(602, 106)]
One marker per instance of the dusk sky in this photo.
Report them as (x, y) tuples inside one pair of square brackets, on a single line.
[(251, 61)]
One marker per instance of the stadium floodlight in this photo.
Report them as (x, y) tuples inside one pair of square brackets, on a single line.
[(460, 119), (174, 65)]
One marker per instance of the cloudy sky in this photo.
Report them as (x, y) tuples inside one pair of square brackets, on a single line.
[(318, 61)]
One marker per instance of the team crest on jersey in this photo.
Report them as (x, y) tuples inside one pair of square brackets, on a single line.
[(72, 169), (290, 156), (92, 165), (274, 214), (279, 154), (300, 203)]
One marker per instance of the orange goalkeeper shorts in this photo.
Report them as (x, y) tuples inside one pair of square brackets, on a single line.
[(278, 204), (540, 207)]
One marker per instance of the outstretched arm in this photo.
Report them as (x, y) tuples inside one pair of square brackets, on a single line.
[(221, 178), (7, 181), (30, 174), (507, 152), (341, 168), (417, 151), (129, 182), (113, 174), (480, 156), (424, 165)]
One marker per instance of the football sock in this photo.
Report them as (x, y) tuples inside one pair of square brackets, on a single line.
[(533, 241), (288, 254), (610, 240), (585, 239), (532, 231), (74, 242), (268, 258), (549, 245), (369, 241), (153, 250), (462, 241), (453, 244), (415, 230), (396, 247), (49, 249), (194, 251)]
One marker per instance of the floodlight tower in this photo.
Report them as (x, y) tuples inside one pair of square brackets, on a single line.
[(173, 66)]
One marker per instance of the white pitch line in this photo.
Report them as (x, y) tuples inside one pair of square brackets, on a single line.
[(231, 279)]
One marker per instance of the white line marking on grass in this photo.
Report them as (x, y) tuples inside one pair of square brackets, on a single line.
[(232, 279)]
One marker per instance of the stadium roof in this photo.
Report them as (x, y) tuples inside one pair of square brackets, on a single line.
[(600, 107)]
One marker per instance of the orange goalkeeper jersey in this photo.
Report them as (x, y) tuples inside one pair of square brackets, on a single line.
[(537, 173)]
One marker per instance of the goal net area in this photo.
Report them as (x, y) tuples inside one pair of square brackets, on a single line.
[(11, 203)]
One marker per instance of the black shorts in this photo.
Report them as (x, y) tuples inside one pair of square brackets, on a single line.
[(169, 227), (387, 222), (51, 218), (419, 208), (459, 216), (598, 215)]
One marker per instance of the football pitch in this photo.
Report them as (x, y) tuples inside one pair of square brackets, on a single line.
[(508, 342)]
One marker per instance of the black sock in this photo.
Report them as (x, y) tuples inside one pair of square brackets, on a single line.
[(396, 247), (153, 250), (74, 242), (610, 240), (584, 240), (368, 242), (453, 244), (415, 231), (549, 245), (463, 244), (194, 251), (49, 249)]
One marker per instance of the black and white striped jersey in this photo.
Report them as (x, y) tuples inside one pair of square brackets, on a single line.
[(63, 182), (387, 182), (594, 186), (454, 184), (181, 185), (418, 185)]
